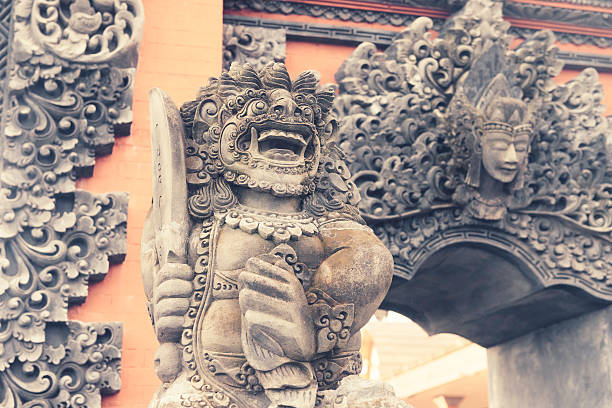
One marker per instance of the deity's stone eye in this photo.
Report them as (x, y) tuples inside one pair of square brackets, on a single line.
[(520, 147)]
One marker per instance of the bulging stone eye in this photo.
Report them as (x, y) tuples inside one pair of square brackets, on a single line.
[(258, 107), (243, 145)]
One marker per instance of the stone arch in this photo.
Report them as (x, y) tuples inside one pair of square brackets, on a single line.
[(486, 286)]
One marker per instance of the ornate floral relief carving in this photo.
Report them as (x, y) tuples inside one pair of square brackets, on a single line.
[(518, 10), (254, 45), (45, 268), (556, 252), (82, 31), (410, 120), (68, 94), (565, 38), (571, 16), (337, 13), (77, 362)]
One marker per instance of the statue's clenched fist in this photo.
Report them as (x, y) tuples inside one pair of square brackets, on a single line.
[(173, 287), (275, 313)]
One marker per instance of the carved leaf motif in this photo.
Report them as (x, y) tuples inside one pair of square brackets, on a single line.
[(394, 109), (568, 166), (43, 269), (254, 45), (79, 31), (78, 360)]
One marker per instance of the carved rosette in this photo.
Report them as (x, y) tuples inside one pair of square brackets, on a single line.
[(402, 129), (67, 94)]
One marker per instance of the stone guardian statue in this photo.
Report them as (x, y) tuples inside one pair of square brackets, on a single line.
[(258, 270)]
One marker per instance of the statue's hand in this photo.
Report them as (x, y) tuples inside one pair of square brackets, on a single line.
[(275, 313), (173, 287)]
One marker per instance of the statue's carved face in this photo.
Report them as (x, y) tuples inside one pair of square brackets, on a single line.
[(260, 129), (273, 142), (504, 152)]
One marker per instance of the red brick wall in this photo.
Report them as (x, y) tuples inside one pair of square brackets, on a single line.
[(181, 48)]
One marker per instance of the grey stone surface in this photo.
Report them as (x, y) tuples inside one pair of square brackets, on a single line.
[(568, 364), (517, 10), (253, 45), (357, 392), (67, 74), (258, 269)]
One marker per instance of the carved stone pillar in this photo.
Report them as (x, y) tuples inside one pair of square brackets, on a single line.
[(67, 74)]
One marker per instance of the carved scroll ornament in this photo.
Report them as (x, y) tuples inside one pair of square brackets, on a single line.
[(415, 132), (561, 17), (254, 45), (67, 95), (80, 31)]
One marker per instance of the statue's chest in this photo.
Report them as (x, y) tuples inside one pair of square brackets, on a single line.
[(234, 247)]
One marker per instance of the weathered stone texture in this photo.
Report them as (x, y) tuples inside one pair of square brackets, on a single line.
[(258, 269), (568, 364), (422, 124), (254, 45)]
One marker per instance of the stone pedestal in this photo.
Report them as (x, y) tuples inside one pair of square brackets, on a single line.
[(568, 364)]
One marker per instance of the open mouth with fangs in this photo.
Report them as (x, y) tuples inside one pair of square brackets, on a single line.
[(282, 144)]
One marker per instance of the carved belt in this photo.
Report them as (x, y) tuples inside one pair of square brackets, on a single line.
[(232, 370)]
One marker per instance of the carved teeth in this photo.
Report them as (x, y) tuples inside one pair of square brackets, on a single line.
[(281, 154), (254, 136), (281, 133)]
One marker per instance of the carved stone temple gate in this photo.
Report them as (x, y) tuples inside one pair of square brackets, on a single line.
[(504, 240), (523, 267)]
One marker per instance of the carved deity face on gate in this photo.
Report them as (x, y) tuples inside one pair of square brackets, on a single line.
[(503, 143)]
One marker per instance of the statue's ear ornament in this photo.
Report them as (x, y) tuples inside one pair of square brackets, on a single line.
[(206, 115), (473, 175)]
